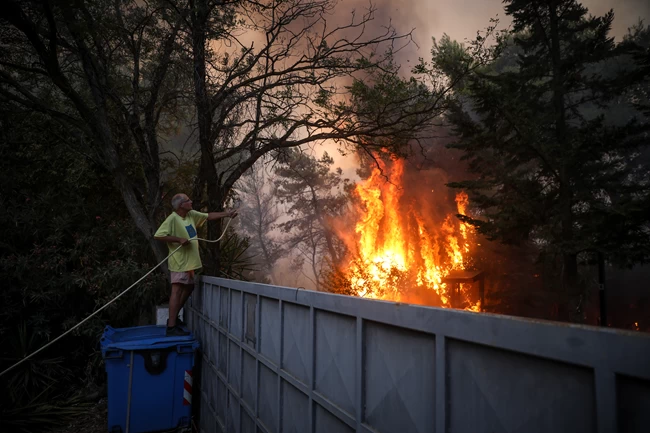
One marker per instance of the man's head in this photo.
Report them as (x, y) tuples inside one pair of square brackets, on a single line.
[(181, 202)]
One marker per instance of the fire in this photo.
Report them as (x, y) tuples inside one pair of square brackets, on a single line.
[(400, 254)]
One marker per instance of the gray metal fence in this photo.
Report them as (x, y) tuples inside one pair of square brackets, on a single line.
[(277, 359)]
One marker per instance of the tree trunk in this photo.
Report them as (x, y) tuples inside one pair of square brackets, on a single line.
[(143, 221), (139, 216), (207, 171), (570, 258), (326, 231)]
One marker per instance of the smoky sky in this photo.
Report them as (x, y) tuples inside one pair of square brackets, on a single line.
[(461, 19)]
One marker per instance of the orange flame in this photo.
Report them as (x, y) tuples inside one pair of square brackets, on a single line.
[(399, 254)]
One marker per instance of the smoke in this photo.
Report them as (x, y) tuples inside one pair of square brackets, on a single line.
[(461, 19)]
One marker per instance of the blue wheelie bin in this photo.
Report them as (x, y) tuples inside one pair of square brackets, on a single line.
[(149, 379)]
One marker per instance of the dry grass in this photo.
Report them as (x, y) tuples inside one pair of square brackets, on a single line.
[(93, 421)]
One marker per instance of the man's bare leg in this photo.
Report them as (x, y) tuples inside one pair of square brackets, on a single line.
[(187, 291), (175, 303)]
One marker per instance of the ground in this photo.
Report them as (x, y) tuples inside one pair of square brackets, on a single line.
[(94, 421)]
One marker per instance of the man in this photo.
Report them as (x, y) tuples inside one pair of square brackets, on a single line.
[(177, 229)]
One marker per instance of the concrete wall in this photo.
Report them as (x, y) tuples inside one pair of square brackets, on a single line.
[(278, 359)]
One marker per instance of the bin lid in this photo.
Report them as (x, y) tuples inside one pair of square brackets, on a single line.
[(142, 338)]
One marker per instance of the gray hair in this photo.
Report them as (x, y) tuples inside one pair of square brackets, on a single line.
[(177, 200)]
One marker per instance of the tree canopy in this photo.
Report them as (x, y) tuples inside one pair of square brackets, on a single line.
[(252, 77), (553, 139)]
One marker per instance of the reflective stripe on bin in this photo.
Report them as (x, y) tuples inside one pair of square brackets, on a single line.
[(187, 388)]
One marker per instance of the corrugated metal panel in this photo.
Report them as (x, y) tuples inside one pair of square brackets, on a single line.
[(281, 360)]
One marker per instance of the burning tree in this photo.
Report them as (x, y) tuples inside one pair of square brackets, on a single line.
[(406, 238)]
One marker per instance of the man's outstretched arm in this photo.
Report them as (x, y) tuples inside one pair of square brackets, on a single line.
[(175, 239), (225, 214)]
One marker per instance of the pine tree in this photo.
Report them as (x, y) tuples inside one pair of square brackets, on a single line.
[(554, 141), (315, 195), (258, 218)]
